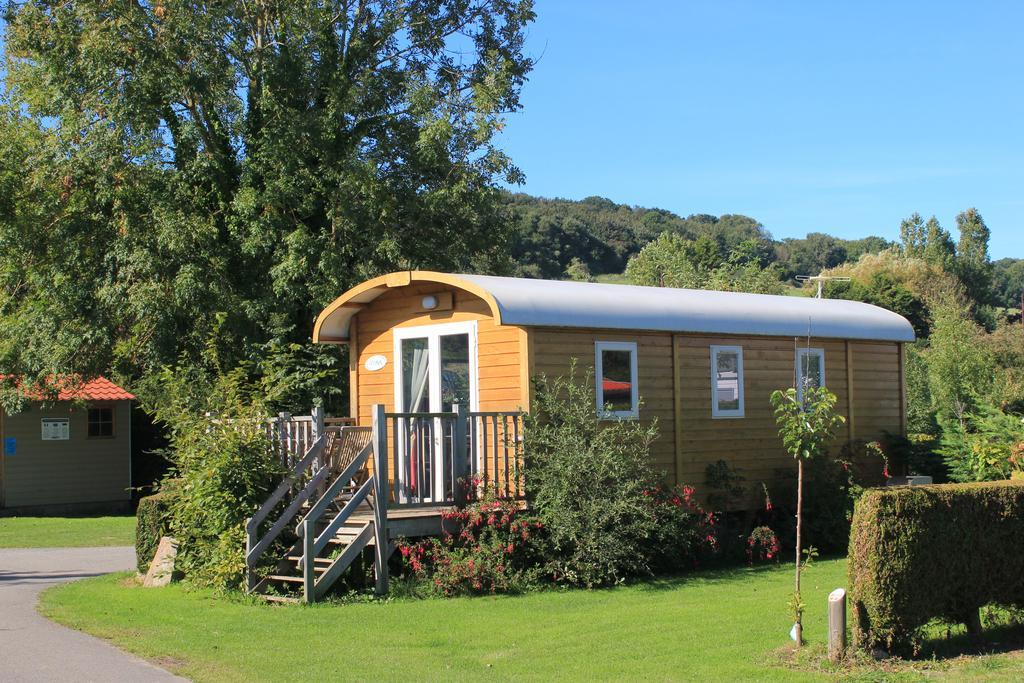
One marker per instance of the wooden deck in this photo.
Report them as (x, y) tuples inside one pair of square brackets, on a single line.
[(334, 496), (421, 520)]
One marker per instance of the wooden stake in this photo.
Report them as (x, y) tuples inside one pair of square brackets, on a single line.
[(799, 627), (836, 624)]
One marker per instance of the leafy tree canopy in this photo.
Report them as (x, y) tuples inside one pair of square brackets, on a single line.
[(550, 233), (165, 162), (972, 259), (672, 261), (1008, 282)]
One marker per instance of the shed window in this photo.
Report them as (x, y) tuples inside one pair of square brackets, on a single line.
[(616, 376), (727, 381), (101, 422), (810, 370)]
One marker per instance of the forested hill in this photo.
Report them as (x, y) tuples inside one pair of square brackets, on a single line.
[(603, 235)]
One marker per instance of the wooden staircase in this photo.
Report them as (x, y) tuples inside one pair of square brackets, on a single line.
[(287, 583), (329, 534), (332, 505)]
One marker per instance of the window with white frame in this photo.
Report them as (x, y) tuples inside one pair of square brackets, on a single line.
[(810, 370), (726, 381), (616, 378)]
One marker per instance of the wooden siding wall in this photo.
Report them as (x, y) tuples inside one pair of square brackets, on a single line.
[(877, 403), (499, 348), (553, 350), (79, 470), (688, 444), (750, 443)]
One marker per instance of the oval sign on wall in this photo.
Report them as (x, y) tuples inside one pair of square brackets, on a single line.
[(376, 362)]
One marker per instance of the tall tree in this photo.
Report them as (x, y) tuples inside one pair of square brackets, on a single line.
[(1008, 281), (173, 167), (912, 235), (938, 247), (972, 255)]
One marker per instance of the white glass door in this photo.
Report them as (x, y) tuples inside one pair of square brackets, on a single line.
[(436, 368)]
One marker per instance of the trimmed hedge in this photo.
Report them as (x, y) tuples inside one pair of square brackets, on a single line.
[(933, 552), (152, 523)]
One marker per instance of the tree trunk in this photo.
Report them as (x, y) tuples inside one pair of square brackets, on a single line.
[(799, 628), (973, 622)]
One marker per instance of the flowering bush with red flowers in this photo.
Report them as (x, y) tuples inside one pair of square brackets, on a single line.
[(683, 532), (762, 546), (489, 546)]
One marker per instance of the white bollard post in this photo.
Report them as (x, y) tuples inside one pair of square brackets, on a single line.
[(836, 624)]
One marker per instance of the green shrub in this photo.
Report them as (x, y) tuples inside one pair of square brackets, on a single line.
[(832, 487), (916, 454), (152, 523), (586, 479), (763, 546), (933, 552), (829, 494), (605, 512), (684, 533), (223, 463), (986, 447)]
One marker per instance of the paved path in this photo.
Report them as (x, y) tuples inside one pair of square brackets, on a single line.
[(35, 649)]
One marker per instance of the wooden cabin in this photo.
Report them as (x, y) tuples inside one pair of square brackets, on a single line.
[(441, 369), (702, 362), (70, 454)]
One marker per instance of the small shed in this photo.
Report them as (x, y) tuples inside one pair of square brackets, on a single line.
[(702, 362), (70, 454)]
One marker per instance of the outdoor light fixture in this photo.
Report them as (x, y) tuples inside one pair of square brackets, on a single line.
[(429, 302)]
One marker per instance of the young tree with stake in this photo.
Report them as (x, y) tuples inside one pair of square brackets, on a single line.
[(807, 424)]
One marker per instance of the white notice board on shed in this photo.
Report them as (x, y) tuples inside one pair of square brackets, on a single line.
[(56, 429)]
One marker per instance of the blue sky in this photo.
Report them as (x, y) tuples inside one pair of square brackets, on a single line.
[(843, 117)]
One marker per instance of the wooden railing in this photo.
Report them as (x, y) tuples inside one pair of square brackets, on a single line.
[(313, 543), (496, 448), (419, 459), (304, 479), (292, 435), (435, 457), (372, 490)]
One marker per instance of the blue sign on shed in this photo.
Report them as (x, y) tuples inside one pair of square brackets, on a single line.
[(10, 445)]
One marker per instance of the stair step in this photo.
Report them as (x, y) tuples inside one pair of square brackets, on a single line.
[(323, 564), (350, 528), (318, 560), (285, 578), (345, 539), (280, 598)]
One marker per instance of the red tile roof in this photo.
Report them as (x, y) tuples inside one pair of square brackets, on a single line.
[(99, 389)]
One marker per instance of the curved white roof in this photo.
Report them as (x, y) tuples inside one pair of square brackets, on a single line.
[(589, 304), (553, 303)]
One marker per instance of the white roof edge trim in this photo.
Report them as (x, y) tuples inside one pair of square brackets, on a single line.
[(555, 303), (335, 327)]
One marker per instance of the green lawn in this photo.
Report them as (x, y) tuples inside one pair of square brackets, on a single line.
[(66, 532), (721, 625)]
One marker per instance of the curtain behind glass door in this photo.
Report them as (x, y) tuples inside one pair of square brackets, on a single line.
[(415, 374)]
